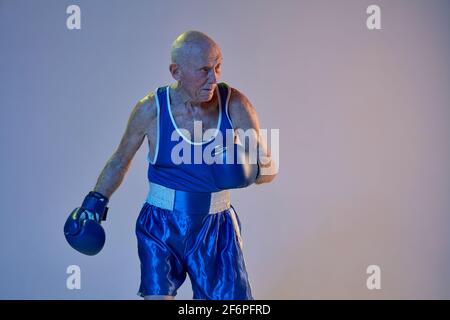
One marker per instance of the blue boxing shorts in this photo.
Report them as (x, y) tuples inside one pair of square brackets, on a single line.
[(198, 234)]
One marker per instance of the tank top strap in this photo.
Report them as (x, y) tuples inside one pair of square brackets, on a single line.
[(167, 127), (224, 96)]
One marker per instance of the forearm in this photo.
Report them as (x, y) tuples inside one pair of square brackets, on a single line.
[(267, 164), (110, 178)]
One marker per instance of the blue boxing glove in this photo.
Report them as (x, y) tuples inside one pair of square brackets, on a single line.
[(234, 170), (82, 228)]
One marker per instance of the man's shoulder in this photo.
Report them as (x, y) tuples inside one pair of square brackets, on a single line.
[(241, 110), (146, 106), (239, 102)]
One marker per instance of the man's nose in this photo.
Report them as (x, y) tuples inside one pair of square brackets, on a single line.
[(213, 75)]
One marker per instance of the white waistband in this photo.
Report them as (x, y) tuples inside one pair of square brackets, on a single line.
[(163, 197)]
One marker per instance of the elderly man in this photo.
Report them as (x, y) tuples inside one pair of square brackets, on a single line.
[(187, 225)]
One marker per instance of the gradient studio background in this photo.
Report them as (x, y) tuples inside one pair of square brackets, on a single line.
[(364, 130)]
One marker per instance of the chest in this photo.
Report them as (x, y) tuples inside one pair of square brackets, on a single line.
[(196, 125), (188, 123)]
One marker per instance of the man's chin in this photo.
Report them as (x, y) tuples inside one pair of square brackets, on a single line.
[(206, 96)]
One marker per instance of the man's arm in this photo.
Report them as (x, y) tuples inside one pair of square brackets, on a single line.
[(244, 117), (117, 166)]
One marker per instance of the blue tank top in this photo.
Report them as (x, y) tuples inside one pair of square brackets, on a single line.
[(195, 174)]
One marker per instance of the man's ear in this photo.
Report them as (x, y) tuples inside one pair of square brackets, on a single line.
[(175, 71)]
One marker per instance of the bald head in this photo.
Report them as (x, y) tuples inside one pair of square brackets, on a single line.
[(191, 43), (196, 65)]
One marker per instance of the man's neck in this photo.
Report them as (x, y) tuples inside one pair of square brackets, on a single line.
[(183, 97)]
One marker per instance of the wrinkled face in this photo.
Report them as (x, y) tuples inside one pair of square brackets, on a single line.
[(199, 72)]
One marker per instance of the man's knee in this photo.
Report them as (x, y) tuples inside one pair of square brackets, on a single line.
[(158, 297)]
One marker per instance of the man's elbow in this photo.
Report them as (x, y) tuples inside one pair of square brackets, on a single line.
[(267, 172), (265, 179)]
